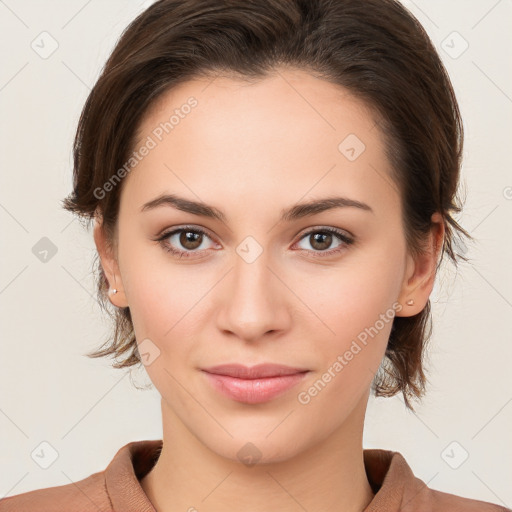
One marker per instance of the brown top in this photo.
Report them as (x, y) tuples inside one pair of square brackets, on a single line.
[(117, 488)]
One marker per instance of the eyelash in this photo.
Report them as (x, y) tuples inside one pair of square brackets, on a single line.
[(346, 241)]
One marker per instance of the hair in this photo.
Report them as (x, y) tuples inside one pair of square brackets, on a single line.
[(376, 49)]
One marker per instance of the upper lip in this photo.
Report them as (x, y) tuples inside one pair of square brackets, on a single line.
[(241, 371)]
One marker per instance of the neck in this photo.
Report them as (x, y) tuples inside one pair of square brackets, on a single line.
[(328, 476)]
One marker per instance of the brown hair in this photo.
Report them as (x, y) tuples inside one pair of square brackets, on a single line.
[(376, 49)]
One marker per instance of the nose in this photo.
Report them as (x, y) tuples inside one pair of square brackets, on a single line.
[(255, 302)]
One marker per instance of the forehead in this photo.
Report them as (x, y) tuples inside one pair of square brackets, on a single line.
[(288, 97), (288, 133)]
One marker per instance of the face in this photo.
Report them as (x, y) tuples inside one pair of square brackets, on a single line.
[(263, 281)]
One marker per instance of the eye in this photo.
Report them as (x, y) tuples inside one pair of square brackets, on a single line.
[(186, 241), (191, 239), (321, 239)]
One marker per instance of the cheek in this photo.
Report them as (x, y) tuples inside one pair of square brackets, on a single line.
[(357, 306), (360, 316), (353, 297), (355, 303), (162, 294), (165, 305)]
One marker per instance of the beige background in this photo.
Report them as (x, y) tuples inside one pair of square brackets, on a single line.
[(86, 410)]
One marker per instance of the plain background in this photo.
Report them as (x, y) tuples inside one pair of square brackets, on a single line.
[(86, 410)]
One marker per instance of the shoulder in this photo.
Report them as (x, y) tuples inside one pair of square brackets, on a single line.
[(397, 489), (445, 501), (85, 495), (115, 488)]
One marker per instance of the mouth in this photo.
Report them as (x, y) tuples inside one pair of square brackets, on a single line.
[(256, 384)]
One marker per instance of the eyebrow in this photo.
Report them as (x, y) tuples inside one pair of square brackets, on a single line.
[(297, 211)]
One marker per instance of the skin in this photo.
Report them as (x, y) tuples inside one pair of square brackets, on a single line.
[(252, 150)]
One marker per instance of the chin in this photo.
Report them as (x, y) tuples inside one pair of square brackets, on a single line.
[(256, 443)]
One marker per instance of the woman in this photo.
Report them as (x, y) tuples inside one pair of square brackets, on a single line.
[(272, 185)]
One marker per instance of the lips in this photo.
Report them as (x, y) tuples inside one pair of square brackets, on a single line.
[(259, 371), (255, 384)]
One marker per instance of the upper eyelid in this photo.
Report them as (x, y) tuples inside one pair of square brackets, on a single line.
[(166, 233), (344, 232)]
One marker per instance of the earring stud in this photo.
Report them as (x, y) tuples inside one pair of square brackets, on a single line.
[(410, 302), (114, 291)]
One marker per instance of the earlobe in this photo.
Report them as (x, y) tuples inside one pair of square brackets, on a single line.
[(110, 266), (421, 270)]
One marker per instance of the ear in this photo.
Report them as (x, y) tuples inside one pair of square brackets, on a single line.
[(110, 266), (421, 270)]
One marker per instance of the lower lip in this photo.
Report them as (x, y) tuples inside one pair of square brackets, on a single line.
[(253, 391)]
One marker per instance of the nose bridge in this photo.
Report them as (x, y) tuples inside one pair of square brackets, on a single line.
[(251, 273)]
